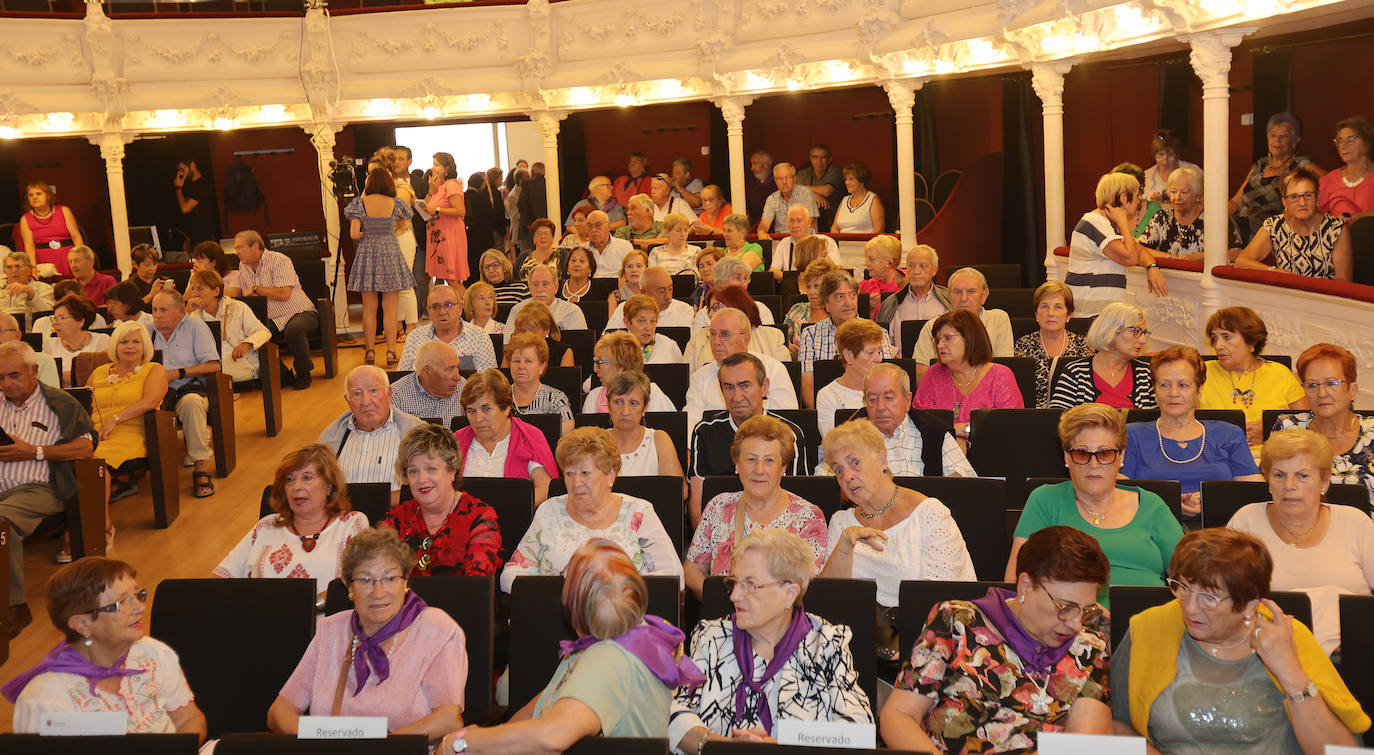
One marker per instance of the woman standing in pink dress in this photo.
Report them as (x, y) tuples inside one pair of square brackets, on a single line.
[(48, 230), (446, 257)]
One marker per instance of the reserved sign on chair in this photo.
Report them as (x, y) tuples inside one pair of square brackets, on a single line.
[(341, 727)]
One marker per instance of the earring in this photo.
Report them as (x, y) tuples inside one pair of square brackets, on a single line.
[(88, 642), (1247, 622), (1020, 599)]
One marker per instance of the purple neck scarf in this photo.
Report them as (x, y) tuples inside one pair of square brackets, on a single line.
[(797, 630), (369, 649), (1033, 655), (65, 659), (655, 643)]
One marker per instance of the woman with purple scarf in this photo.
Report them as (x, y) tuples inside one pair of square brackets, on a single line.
[(106, 663), (615, 680), (989, 675), (404, 660), (770, 660)]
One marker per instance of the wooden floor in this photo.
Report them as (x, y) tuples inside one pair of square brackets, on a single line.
[(207, 528)]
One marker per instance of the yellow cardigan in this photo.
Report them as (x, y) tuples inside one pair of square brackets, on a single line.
[(1155, 637)]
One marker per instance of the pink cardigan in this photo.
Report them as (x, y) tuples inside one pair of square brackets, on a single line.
[(997, 390), (527, 445)]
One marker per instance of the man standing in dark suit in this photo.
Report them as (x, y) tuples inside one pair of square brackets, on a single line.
[(421, 188), (534, 204)]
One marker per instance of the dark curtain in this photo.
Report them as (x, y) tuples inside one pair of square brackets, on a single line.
[(572, 164), (150, 164), (927, 151), (1175, 100), (720, 153), (1021, 188), (370, 137), (1273, 75)]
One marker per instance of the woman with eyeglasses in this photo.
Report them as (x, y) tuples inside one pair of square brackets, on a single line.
[(616, 353), (1115, 375), (450, 532), (1258, 197), (1327, 373), (1239, 378), (496, 272), (105, 662), (1134, 527), (1222, 668), (989, 675), (807, 671), (1345, 192), (1303, 240), (392, 656), (72, 318), (543, 253)]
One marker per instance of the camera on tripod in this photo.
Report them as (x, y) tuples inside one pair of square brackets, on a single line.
[(344, 177)]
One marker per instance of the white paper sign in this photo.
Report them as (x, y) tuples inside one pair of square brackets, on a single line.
[(342, 727), (1060, 743), (827, 734), (1346, 750), (83, 724)]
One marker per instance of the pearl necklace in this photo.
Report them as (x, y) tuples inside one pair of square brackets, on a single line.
[(1165, 454)]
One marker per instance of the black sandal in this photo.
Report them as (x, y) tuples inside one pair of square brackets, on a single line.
[(202, 480)]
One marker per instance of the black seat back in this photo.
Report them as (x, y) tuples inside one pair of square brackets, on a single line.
[(916, 598), (512, 498), (680, 335), (672, 379), (1023, 369), (288, 744), (806, 420), (1221, 499), (1016, 444), (618, 746), (1129, 600), (911, 331), (122, 744), (663, 491), (1357, 647), (978, 505)]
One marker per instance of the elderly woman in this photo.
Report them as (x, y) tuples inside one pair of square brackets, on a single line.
[(392, 656), (714, 211), (241, 334), (581, 267), (892, 533), (1133, 526), (1323, 550), (123, 303), (448, 531), (1244, 676), (536, 318), (310, 527), (144, 276), (1053, 340), (643, 450), (47, 230), (632, 268), (1240, 378), (495, 444), (1164, 146), (591, 461), (1115, 375), (966, 378), (577, 233), (840, 294), (735, 229), (616, 353), (1344, 192), (860, 343), (479, 307), (22, 294), (811, 310), (677, 255), (808, 671), (1038, 641), (616, 679), (1328, 376), (1176, 230), (1258, 197), (705, 269), (71, 320), (762, 340), (1103, 245), (1179, 446), (528, 355), (1303, 240), (496, 272), (883, 263), (105, 663), (860, 211), (641, 319), (762, 452), (544, 252)]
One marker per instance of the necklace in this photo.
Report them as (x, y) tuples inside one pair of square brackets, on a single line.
[(1297, 537), (44, 218), (308, 542), (1165, 454), (1097, 516), (1040, 699), (1349, 427), (887, 507), (1247, 396), (1217, 647), (1063, 343), (964, 384)]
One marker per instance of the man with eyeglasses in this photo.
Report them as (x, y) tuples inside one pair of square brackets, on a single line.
[(657, 284), (21, 293), (825, 180), (47, 430), (729, 334), (788, 193), (968, 290), (446, 324), (600, 199), (543, 287)]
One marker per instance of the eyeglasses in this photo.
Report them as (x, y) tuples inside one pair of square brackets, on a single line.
[(139, 594), (1070, 611), (1339, 142), (386, 582), (749, 586), (1306, 196), (60, 318), (1205, 599), (496, 265), (601, 362), (1137, 331), (445, 306), (1312, 386), (1104, 456)]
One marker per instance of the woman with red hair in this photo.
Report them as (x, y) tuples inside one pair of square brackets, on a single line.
[(1327, 374)]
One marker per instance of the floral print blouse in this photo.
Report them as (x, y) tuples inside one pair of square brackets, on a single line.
[(467, 544), (714, 542), (984, 700)]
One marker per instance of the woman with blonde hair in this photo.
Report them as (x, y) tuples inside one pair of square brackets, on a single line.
[(860, 346), (479, 307), (495, 270), (1103, 246), (241, 334), (883, 262), (641, 321), (1115, 375), (632, 269), (677, 255)]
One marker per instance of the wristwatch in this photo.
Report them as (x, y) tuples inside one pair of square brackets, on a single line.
[(460, 743), (1306, 692), (37, 453)]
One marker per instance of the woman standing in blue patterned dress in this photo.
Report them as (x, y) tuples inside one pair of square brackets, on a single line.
[(378, 266)]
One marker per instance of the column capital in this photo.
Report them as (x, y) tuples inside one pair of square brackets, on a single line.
[(901, 93), (548, 121), (1211, 54), (111, 144), (322, 137), (732, 107), (1047, 79)]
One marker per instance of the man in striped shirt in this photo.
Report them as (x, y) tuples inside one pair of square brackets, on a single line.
[(432, 390), (368, 435), (45, 429), (291, 315)]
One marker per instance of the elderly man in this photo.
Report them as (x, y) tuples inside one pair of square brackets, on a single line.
[(665, 201), (729, 334), (657, 284), (47, 430), (917, 444), (743, 381), (968, 290), (446, 325), (23, 294), (290, 314), (368, 435), (798, 228), (94, 284), (789, 193), (544, 288), (635, 181), (731, 272), (10, 332), (825, 180), (840, 295), (188, 354), (431, 391), (601, 199), (608, 251), (686, 185), (759, 184), (920, 299), (643, 231)]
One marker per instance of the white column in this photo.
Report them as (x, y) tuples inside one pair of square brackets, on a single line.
[(732, 109), (322, 137), (548, 121), (1211, 59), (112, 150), (1048, 81), (901, 94)]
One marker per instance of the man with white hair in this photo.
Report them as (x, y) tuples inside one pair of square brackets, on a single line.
[(917, 443), (644, 231), (446, 325), (657, 284), (730, 332), (731, 272), (543, 285), (367, 437), (432, 390), (968, 290), (47, 366), (608, 251), (190, 356), (919, 299), (788, 193), (665, 200), (799, 226)]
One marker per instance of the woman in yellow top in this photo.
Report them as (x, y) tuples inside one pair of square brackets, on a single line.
[(1240, 378), (735, 230), (124, 389)]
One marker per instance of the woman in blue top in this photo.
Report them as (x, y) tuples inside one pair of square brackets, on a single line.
[(1178, 446), (1133, 526)]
